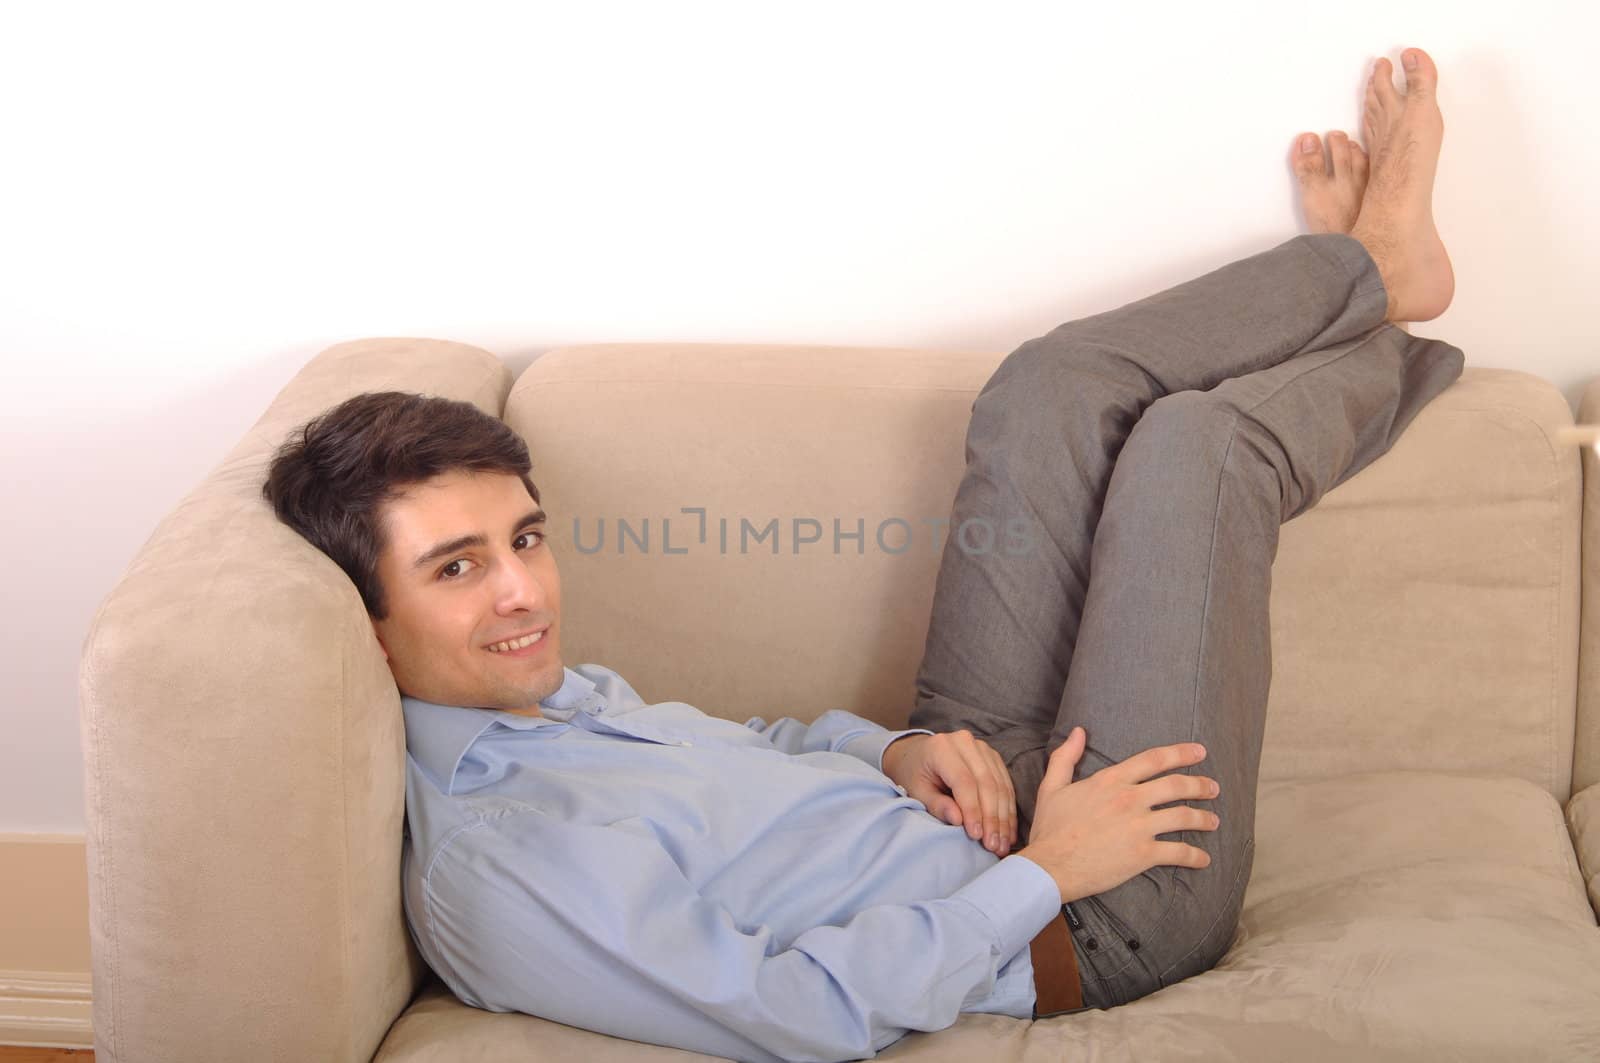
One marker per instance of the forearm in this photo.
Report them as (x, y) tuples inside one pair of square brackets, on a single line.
[(835, 731)]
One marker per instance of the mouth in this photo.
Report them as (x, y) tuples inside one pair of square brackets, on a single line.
[(521, 646)]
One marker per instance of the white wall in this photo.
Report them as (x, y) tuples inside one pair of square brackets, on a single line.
[(195, 201)]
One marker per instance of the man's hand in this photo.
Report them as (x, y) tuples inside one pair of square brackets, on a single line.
[(1099, 832), (961, 780)]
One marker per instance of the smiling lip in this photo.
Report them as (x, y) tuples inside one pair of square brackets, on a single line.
[(520, 646)]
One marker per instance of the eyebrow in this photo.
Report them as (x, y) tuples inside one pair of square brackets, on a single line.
[(462, 542)]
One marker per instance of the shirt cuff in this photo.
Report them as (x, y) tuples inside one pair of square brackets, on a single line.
[(870, 747), (1018, 897)]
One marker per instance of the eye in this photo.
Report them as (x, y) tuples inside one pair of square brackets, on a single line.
[(527, 540), (457, 568)]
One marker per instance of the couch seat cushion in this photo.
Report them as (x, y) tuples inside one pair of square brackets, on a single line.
[(1390, 915)]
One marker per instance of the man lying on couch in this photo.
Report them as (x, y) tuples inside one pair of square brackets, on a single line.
[(782, 891)]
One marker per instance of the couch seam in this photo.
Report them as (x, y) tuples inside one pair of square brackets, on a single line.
[(771, 385), (348, 963), (104, 888)]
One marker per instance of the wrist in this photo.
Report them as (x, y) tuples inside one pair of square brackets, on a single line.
[(1028, 852), (895, 752)]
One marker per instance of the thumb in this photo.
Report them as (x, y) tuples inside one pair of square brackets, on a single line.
[(1058, 772)]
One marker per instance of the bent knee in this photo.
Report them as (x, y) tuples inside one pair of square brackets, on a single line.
[(1183, 417)]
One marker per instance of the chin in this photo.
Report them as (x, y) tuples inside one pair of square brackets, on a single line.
[(544, 685)]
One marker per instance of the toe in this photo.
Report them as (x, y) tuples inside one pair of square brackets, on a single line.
[(1339, 152), (1309, 162), (1358, 161), (1383, 84), (1421, 75)]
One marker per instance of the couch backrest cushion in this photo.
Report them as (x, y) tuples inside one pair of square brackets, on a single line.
[(1424, 613), (244, 763)]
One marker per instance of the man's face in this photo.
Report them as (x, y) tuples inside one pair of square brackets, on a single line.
[(468, 577)]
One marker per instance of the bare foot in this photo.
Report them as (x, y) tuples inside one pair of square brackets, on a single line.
[(1395, 223), (1332, 182)]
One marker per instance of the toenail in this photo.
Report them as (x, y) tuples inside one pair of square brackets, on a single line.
[(1308, 144), (1410, 59)]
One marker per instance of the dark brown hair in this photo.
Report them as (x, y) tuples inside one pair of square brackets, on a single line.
[(329, 479)]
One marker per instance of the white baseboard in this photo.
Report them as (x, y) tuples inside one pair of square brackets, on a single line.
[(45, 1008)]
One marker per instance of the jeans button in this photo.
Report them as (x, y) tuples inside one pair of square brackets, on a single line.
[(1091, 944), (1134, 944)]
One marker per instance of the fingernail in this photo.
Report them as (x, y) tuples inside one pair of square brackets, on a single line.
[(994, 842), (1410, 60), (1308, 144)]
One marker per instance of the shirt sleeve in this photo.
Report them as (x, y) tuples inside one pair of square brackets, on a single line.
[(835, 731), (595, 926)]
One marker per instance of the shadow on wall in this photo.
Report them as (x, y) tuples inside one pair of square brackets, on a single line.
[(1507, 209)]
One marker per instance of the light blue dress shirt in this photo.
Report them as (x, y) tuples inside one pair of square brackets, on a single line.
[(753, 891)]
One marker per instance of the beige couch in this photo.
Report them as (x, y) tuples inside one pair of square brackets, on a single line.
[(1428, 867)]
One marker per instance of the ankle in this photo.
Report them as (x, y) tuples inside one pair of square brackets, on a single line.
[(1382, 251)]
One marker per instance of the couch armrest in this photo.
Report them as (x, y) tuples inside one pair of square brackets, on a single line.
[(1583, 821), (244, 765)]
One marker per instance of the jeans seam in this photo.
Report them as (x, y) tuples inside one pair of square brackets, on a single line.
[(1199, 661), (1205, 610), (1357, 346)]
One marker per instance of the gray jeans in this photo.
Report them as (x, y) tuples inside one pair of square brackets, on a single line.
[(1159, 446)]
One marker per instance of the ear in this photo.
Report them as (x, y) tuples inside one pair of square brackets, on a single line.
[(377, 633)]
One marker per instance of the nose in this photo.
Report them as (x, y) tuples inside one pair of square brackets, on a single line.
[(517, 589)]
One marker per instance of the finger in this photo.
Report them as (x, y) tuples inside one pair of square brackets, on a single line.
[(1180, 787), (999, 799), (1181, 818), (1179, 854), (981, 761), (1008, 801), (1161, 759), (1058, 771), (1008, 798), (964, 788)]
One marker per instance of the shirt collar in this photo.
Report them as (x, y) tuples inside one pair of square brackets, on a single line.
[(438, 736)]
